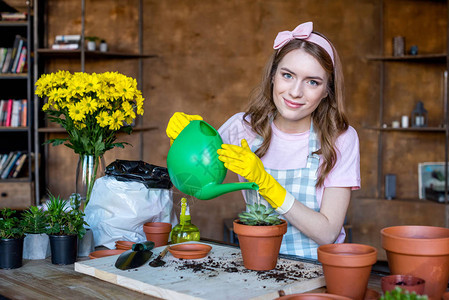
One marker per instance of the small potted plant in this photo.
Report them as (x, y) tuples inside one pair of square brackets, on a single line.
[(36, 244), (11, 240), (91, 42), (260, 231), (65, 226)]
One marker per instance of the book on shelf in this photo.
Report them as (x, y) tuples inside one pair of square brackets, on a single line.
[(13, 16), (24, 113), (3, 52), (22, 60), (68, 39), (9, 113), (7, 60), (12, 159), (18, 167), (3, 160), (13, 55), (67, 42), (13, 113), (65, 46), (16, 56), (9, 168)]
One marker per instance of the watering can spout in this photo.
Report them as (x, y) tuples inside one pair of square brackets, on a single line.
[(213, 190)]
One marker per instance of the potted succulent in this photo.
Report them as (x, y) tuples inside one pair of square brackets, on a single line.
[(400, 294), (36, 244), (11, 240), (260, 231), (65, 226), (91, 42)]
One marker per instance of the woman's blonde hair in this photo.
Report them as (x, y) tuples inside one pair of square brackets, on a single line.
[(329, 119)]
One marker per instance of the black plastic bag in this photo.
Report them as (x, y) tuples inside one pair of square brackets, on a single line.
[(131, 170)]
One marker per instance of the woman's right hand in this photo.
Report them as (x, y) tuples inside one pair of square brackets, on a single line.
[(177, 122)]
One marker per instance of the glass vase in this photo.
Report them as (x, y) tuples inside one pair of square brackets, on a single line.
[(89, 168)]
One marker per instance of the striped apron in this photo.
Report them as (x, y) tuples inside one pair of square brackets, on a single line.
[(301, 184)]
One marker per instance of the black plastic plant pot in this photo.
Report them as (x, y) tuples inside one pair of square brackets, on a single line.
[(64, 249), (11, 253)]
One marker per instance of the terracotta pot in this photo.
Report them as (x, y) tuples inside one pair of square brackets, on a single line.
[(347, 268), (312, 296), (157, 232), (405, 282), (124, 245), (260, 244), (421, 251)]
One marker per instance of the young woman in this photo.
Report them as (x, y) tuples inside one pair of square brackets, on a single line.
[(294, 141)]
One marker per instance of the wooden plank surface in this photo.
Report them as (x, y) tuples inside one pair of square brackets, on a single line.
[(40, 279), (220, 275)]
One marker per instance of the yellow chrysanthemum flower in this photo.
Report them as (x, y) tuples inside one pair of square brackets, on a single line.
[(116, 121), (90, 105), (77, 112), (103, 119)]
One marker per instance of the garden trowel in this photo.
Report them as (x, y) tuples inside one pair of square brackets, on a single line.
[(138, 255)]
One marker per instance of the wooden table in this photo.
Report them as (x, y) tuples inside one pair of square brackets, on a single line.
[(40, 279)]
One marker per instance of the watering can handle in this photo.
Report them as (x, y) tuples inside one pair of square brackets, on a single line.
[(145, 246)]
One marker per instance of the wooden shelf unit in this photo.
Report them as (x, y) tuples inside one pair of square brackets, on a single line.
[(404, 80), (18, 193), (45, 54)]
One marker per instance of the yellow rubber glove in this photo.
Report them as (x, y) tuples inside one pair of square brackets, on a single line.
[(243, 161), (177, 123)]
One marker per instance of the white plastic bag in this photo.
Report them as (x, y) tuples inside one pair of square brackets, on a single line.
[(117, 210)]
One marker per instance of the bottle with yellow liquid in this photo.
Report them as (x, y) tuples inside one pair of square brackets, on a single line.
[(185, 231)]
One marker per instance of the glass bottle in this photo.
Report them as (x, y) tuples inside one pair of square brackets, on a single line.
[(185, 231)]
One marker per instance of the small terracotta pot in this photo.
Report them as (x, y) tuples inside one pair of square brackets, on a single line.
[(405, 282), (260, 245), (124, 245), (421, 251), (347, 268), (157, 232), (312, 296)]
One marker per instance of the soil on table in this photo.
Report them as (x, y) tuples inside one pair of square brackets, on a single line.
[(284, 272)]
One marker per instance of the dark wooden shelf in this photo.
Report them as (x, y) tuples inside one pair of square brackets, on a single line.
[(62, 130), (432, 57), (20, 128), (21, 179), (89, 54), (409, 200), (13, 23), (410, 129), (14, 76)]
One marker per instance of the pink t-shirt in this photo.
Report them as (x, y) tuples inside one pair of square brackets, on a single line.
[(289, 151)]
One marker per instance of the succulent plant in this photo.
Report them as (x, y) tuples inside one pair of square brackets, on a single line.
[(259, 215), (400, 294)]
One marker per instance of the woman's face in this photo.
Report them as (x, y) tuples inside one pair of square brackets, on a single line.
[(299, 84)]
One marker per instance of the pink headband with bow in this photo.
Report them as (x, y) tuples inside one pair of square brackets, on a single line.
[(303, 32)]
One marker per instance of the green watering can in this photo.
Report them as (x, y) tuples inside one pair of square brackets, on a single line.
[(193, 163)]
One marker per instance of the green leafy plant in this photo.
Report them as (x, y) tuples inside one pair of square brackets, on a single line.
[(400, 294), (63, 220), (10, 226), (259, 215), (34, 220), (92, 38)]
